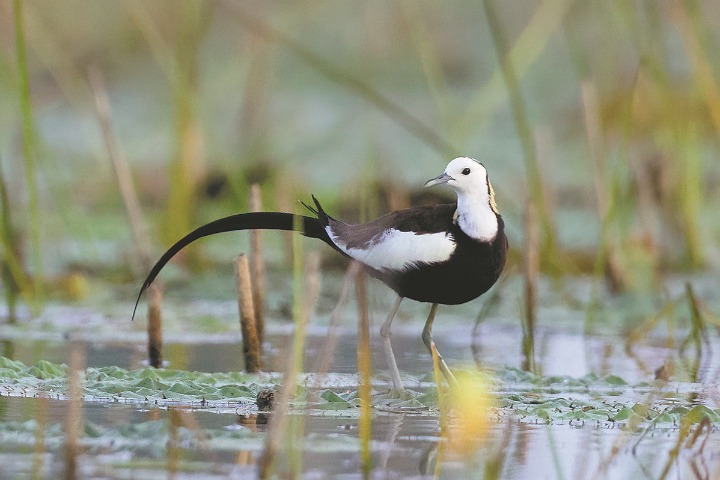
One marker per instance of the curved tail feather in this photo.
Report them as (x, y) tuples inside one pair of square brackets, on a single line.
[(310, 227)]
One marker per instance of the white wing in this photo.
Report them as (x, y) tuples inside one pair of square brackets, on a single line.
[(397, 250)]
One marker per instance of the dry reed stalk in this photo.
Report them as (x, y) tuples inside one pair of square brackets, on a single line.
[(74, 418), (322, 365), (154, 328), (530, 273), (257, 266), (248, 325), (364, 365)]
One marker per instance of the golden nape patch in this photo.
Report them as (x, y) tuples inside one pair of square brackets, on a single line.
[(493, 205)]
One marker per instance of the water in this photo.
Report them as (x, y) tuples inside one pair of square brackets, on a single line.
[(132, 440), (403, 446)]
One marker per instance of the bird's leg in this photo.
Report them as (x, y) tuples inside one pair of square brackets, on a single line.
[(430, 344), (385, 333)]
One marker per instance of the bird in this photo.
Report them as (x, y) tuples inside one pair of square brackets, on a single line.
[(445, 254)]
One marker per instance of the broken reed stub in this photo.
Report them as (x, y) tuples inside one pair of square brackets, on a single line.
[(248, 326), (155, 341)]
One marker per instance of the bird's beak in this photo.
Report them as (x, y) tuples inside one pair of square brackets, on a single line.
[(444, 178)]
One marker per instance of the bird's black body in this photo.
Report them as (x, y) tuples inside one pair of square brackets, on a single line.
[(470, 271)]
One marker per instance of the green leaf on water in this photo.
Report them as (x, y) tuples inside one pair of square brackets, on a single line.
[(615, 380), (665, 418), (151, 383), (12, 365), (332, 397), (150, 373), (46, 370), (623, 414), (679, 410), (640, 409), (696, 414), (235, 391)]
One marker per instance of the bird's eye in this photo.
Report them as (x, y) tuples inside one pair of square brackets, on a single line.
[(466, 171)]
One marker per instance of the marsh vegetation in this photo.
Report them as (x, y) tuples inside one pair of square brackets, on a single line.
[(124, 125)]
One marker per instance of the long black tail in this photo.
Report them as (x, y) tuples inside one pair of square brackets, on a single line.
[(308, 226)]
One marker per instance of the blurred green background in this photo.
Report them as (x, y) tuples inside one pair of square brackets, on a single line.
[(603, 115)]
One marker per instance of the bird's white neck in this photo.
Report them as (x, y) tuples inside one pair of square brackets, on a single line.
[(476, 218)]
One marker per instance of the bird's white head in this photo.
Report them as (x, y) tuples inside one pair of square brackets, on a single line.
[(476, 213), (470, 181)]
